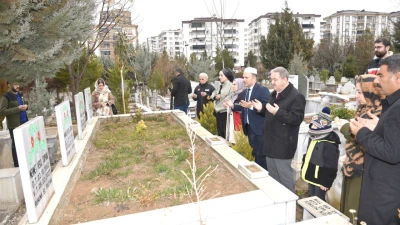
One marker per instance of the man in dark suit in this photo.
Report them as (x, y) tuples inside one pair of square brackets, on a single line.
[(252, 120), (380, 188), (180, 91)]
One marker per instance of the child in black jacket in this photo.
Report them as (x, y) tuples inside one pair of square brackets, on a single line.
[(320, 163)]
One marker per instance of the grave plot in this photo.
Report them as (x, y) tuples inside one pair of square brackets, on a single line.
[(135, 166)]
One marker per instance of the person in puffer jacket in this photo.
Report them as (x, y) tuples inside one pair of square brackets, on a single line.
[(320, 163)]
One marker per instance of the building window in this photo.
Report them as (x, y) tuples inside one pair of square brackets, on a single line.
[(338, 20), (347, 18)]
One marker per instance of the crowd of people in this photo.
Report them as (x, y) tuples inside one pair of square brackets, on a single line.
[(371, 169), (271, 121)]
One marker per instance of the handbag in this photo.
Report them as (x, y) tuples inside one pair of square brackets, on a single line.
[(114, 109)]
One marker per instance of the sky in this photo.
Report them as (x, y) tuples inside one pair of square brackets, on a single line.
[(154, 16)]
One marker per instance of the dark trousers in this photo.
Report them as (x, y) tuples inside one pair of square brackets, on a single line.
[(221, 123), (316, 191), (13, 148), (256, 142), (183, 108)]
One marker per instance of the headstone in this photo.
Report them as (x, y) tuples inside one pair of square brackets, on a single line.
[(317, 79), (80, 115), (136, 97), (4, 123), (344, 80), (65, 132), (331, 80), (294, 79), (303, 85), (34, 166), (312, 78), (349, 88), (88, 104), (147, 102)]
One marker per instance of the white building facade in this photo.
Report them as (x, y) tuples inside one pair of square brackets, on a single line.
[(170, 41), (260, 27), (208, 33), (350, 24), (152, 43)]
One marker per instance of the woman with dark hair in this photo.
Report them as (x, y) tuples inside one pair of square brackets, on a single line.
[(219, 95), (102, 99)]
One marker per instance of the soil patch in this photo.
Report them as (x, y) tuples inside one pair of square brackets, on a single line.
[(130, 169)]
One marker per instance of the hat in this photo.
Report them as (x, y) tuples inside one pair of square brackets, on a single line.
[(250, 70), (321, 124)]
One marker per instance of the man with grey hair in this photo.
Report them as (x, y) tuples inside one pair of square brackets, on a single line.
[(202, 93), (283, 116), (380, 188)]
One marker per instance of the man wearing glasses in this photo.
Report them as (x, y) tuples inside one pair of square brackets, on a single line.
[(381, 46), (202, 93)]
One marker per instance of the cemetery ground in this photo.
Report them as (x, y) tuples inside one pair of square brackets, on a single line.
[(129, 170), (140, 173)]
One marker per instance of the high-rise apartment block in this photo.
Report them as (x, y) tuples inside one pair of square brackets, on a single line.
[(171, 42), (350, 24), (260, 27), (207, 33), (114, 23)]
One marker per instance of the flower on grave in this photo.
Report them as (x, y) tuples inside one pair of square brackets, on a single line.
[(32, 142)]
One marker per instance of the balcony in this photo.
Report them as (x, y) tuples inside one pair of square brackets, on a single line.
[(308, 26)]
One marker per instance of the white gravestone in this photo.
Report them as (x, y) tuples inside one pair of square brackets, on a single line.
[(349, 88), (312, 78), (88, 104), (34, 166), (65, 132), (80, 115), (294, 79), (331, 80)]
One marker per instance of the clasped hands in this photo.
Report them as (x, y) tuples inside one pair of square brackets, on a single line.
[(255, 104), (358, 123), (22, 107)]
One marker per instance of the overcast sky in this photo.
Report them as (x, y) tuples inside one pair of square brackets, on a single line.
[(154, 16)]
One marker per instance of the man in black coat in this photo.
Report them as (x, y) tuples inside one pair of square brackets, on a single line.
[(180, 90), (381, 47), (284, 114), (380, 189), (202, 93), (252, 119)]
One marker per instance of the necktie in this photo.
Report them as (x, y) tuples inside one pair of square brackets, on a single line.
[(246, 110), (247, 95), (277, 95)]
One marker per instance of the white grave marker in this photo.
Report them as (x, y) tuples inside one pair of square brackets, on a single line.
[(88, 104), (294, 79), (80, 115), (65, 132), (34, 166)]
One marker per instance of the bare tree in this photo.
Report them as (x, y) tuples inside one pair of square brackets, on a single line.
[(224, 24), (111, 13)]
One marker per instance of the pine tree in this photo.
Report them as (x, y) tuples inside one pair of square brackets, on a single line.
[(298, 66), (285, 39), (349, 67), (396, 36), (251, 59), (39, 99), (40, 37), (207, 118), (242, 145), (363, 51), (202, 66), (223, 59), (337, 75)]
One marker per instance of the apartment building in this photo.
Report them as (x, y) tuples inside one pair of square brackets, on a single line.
[(171, 41), (260, 27), (349, 24), (152, 43), (208, 33), (113, 28), (393, 17)]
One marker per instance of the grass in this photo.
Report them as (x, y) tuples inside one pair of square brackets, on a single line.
[(125, 152)]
